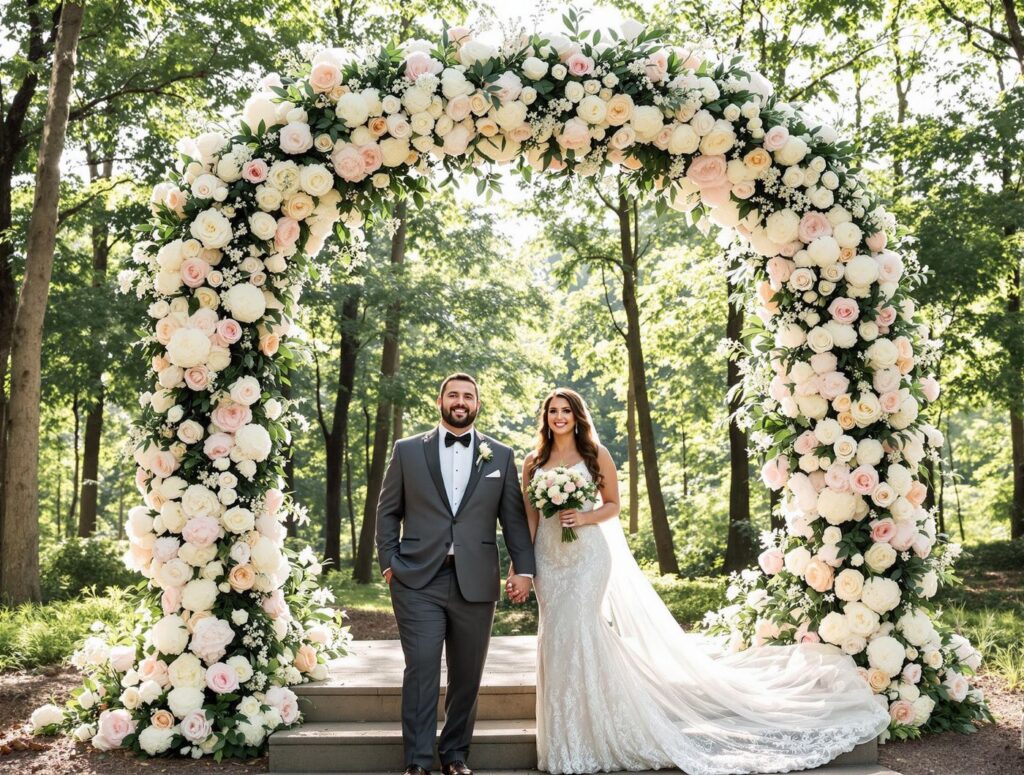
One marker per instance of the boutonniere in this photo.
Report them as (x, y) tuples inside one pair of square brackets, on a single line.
[(484, 453)]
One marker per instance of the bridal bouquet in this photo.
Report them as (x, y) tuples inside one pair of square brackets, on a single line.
[(560, 489)]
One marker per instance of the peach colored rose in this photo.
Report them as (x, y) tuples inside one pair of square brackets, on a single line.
[(819, 575), (902, 712), (708, 172), (372, 157), (162, 719), (242, 578), (305, 658), (269, 344), (230, 416), (378, 126)]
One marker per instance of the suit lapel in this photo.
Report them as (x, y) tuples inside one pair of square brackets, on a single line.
[(434, 466), (474, 471)]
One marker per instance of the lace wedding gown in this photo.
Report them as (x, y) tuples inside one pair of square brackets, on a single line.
[(620, 686)]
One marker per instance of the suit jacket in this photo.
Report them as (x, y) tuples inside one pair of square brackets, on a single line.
[(416, 526)]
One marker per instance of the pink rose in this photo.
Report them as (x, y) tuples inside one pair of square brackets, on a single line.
[(163, 463), (508, 87), (420, 63), (918, 492), (114, 726), (911, 672), (230, 416), (817, 480), (657, 65), (324, 77), (833, 384), (876, 242), (902, 712), (274, 604), (273, 500), (837, 477), (170, 600), (575, 135), (844, 310), (287, 232), (197, 377), (229, 331), (284, 699), (221, 678), (193, 272), (771, 561), (775, 472), (890, 267), (196, 727), (202, 531), (295, 138), (580, 65), (903, 538), (886, 380), (218, 445), (779, 270), (743, 190), (457, 108), (864, 479), (886, 316), (790, 249), (805, 443), (708, 171), (889, 402), (255, 171), (348, 163), (804, 492), (805, 635), (775, 138), (930, 388), (372, 157), (813, 225), (715, 196), (154, 669)]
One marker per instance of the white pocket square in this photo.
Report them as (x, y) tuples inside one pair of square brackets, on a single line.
[(493, 475)]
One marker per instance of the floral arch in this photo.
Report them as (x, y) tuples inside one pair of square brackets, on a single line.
[(837, 371)]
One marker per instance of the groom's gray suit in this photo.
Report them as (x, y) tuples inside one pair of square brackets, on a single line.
[(441, 601)]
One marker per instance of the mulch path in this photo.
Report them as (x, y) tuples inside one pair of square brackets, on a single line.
[(993, 750)]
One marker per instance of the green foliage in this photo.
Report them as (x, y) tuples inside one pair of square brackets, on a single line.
[(78, 563), (33, 635)]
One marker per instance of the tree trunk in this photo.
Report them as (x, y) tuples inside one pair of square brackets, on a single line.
[(363, 565), (336, 439), (739, 552), (1017, 445), (648, 444), (632, 459), (76, 457), (94, 418), (19, 539)]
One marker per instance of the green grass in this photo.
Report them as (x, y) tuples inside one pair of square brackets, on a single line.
[(34, 634)]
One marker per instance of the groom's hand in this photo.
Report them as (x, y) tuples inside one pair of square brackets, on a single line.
[(388, 575), (518, 588)]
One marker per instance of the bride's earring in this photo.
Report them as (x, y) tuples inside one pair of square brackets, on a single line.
[(549, 431), (576, 429)]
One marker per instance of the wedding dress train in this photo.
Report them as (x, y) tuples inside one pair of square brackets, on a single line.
[(620, 686)]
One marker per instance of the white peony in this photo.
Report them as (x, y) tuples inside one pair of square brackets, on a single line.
[(880, 594), (184, 699), (834, 628), (187, 671), (353, 109), (836, 507), (916, 627), (880, 557), (188, 347), (253, 442), (199, 595), (169, 635), (886, 654), (849, 584), (245, 302), (155, 740), (861, 619)]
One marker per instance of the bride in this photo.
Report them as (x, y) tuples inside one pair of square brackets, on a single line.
[(620, 686)]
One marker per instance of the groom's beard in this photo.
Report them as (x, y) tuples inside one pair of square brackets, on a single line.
[(466, 420)]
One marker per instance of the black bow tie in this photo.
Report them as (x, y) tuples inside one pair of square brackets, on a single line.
[(450, 438)]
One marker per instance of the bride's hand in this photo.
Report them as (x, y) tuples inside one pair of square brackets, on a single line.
[(571, 518)]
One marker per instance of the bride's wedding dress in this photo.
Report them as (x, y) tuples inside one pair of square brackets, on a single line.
[(620, 686)]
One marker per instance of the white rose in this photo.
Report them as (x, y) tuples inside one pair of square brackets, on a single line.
[(647, 121), (353, 109), (253, 442), (199, 595), (263, 225), (848, 584), (188, 347), (316, 179), (169, 635), (211, 228), (861, 270), (510, 115), (796, 560), (880, 557), (916, 627), (862, 620), (534, 68), (834, 628), (836, 507), (792, 152), (237, 520), (684, 140), (245, 391), (474, 50), (394, 150)]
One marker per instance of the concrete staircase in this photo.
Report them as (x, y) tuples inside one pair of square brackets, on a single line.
[(352, 719)]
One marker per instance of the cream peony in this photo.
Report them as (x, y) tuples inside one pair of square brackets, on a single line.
[(245, 302)]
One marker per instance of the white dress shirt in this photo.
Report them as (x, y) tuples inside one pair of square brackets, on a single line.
[(456, 466)]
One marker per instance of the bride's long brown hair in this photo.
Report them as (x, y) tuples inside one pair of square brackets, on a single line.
[(584, 435)]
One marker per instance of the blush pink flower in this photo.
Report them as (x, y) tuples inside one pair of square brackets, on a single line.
[(287, 233), (221, 678), (779, 270), (844, 310), (805, 443), (775, 473), (882, 530), (876, 242), (864, 479), (708, 171), (255, 170), (813, 225), (324, 77), (833, 384), (771, 561), (114, 726), (218, 445), (775, 138), (170, 600), (579, 65), (372, 157), (201, 531), (197, 377), (902, 712), (420, 63), (229, 330), (930, 387), (229, 416)]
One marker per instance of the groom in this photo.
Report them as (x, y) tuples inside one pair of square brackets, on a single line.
[(443, 493)]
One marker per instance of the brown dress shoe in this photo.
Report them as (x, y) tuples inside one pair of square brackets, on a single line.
[(456, 768)]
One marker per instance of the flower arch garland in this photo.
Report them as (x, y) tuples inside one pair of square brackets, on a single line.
[(835, 376)]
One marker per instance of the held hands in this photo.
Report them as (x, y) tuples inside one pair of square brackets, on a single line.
[(518, 588)]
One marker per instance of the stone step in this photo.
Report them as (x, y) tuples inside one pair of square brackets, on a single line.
[(497, 745), (366, 685), (341, 746)]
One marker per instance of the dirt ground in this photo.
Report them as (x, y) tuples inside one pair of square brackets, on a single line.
[(993, 750)]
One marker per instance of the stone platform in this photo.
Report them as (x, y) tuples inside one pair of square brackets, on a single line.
[(352, 720)]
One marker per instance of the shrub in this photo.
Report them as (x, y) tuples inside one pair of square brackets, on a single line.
[(78, 563)]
